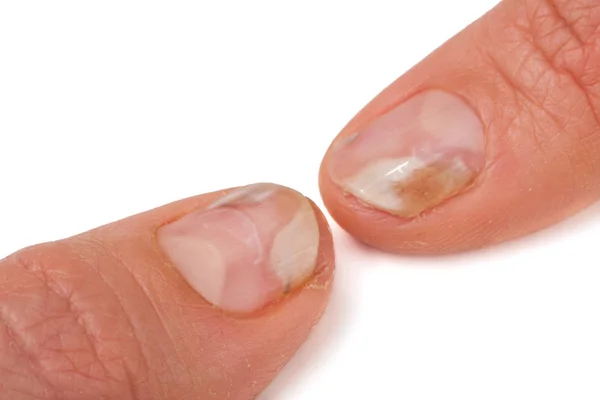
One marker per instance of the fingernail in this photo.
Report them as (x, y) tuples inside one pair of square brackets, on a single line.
[(248, 248), (418, 155)]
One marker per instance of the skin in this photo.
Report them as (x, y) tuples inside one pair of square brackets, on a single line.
[(103, 315)]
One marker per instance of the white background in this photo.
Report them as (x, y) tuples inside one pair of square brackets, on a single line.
[(111, 108)]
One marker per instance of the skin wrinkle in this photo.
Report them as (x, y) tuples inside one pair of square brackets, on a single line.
[(168, 365), (21, 347), (76, 316), (531, 34), (129, 381), (79, 369), (521, 93), (558, 11), (33, 359), (132, 385), (557, 58), (517, 94), (16, 343), (113, 252), (586, 49), (73, 311)]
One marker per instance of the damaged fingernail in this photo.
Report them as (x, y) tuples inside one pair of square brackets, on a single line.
[(246, 249), (413, 158)]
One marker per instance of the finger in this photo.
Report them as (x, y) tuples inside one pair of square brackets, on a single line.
[(495, 135), (204, 298)]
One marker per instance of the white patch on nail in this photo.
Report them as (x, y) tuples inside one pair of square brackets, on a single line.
[(345, 140), (451, 122), (459, 166), (255, 193), (208, 277), (375, 184), (295, 248)]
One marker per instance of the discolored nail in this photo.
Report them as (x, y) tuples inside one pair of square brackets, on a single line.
[(248, 248), (419, 154)]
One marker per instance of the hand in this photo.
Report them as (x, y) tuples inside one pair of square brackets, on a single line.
[(499, 139)]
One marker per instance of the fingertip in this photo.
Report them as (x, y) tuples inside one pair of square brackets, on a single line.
[(477, 144), (129, 289)]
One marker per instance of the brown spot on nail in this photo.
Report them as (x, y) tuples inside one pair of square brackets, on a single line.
[(431, 185)]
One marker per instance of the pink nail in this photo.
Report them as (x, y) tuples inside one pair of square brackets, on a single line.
[(246, 249), (418, 155)]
